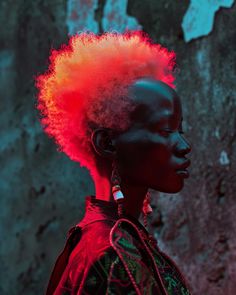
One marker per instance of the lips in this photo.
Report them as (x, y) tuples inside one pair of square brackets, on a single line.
[(183, 173), (184, 165), (182, 169)]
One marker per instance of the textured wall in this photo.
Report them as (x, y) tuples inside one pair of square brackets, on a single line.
[(42, 192)]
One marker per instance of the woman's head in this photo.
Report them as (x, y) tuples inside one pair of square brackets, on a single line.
[(152, 152), (88, 84)]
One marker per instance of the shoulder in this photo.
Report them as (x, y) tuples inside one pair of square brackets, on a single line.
[(108, 260), (116, 273), (94, 242), (104, 244), (103, 235), (111, 236)]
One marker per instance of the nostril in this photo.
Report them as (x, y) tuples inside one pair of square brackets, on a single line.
[(181, 153)]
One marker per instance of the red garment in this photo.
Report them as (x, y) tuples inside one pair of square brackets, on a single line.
[(108, 255)]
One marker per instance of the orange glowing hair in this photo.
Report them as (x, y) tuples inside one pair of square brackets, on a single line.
[(86, 86)]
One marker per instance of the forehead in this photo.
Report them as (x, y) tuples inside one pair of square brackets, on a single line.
[(154, 101)]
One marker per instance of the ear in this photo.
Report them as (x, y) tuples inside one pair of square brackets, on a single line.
[(103, 143)]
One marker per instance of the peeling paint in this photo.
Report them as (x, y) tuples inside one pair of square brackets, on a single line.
[(224, 159), (116, 18), (80, 16), (199, 18)]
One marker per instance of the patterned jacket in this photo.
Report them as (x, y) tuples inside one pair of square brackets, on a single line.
[(105, 254)]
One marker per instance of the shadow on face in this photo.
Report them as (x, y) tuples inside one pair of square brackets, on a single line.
[(152, 152)]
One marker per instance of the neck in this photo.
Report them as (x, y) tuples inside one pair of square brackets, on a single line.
[(134, 195)]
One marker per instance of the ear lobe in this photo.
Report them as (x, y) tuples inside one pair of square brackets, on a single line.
[(102, 143)]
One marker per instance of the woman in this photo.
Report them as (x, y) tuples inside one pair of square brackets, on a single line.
[(109, 102)]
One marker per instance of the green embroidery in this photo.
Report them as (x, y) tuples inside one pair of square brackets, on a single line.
[(107, 261), (126, 244), (122, 273), (158, 262), (92, 281), (103, 264), (132, 264), (138, 275), (171, 282), (184, 291)]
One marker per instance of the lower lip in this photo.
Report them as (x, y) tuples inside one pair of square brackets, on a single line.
[(184, 173)]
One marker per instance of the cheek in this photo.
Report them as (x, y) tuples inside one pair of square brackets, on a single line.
[(142, 158)]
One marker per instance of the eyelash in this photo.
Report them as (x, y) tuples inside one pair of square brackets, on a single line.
[(171, 131)]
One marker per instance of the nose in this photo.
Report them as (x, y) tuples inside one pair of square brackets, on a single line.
[(183, 147)]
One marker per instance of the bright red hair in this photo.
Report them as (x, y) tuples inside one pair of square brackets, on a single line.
[(86, 86)]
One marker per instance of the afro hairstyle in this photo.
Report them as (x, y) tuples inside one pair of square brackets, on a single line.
[(85, 87)]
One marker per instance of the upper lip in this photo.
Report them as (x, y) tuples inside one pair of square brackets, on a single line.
[(184, 165)]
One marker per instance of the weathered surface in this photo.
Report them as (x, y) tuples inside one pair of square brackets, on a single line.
[(42, 192), (199, 18), (197, 227), (116, 18), (36, 183), (81, 16), (99, 16)]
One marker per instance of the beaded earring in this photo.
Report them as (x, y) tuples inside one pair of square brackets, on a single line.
[(147, 209), (116, 189)]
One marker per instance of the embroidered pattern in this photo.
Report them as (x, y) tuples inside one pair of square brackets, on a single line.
[(128, 263)]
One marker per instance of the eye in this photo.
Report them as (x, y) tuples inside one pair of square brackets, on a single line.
[(165, 132)]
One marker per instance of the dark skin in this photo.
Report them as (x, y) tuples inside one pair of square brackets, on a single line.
[(151, 153)]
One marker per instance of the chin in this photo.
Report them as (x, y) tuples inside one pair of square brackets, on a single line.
[(171, 188)]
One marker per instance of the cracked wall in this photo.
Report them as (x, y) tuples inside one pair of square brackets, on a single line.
[(42, 191)]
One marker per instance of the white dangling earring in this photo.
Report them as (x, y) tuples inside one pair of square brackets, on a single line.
[(116, 189), (147, 209)]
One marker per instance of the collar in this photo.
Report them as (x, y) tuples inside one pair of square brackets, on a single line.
[(98, 210)]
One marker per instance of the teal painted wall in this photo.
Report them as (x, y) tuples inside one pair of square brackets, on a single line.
[(42, 191)]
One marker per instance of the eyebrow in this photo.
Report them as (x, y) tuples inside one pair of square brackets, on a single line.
[(170, 115), (165, 117)]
